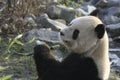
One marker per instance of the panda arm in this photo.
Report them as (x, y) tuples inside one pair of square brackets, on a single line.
[(44, 60)]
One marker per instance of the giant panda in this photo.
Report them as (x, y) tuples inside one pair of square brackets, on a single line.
[(87, 41)]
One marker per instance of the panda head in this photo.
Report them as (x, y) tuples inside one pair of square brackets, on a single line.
[(82, 34)]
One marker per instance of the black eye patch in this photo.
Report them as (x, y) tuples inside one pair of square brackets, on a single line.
[(75, 34)]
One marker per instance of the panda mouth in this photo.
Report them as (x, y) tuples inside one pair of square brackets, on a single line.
[(65, 41), (68, 43)]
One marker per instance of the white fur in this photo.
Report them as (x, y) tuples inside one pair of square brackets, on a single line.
[(87, 42)]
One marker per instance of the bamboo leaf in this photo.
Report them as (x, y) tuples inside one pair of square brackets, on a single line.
[(18, 42), (6, 77), (32, 40), (2, 68)]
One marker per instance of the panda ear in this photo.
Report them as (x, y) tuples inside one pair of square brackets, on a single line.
[(100, 30), (95, 12)]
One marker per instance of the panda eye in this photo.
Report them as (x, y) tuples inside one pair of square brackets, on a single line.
[(75, 34)]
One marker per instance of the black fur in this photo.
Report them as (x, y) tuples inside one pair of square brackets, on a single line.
[(100, 30), (61, 33), (95, 12), (75, 34), (74, 67)]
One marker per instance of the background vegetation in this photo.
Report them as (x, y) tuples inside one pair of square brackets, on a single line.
[(14, 64)]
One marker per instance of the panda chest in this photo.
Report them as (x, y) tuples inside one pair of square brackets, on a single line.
[(81, 66)]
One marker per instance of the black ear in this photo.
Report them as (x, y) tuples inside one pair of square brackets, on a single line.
[(100, 30), (95, 12)]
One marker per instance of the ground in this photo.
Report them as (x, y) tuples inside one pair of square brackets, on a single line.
[(14, 66)]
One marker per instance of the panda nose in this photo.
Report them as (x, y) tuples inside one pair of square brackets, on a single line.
[(61, 33)]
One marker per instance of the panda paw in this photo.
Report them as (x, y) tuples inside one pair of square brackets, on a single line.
[(41, 50)]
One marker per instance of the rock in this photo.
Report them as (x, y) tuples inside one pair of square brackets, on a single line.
[(112, 10), (98, 3), (88, 8), (45, 22), (113, 3), (93, 2), (62, 12), (43, 35), (30, 19), (4, 28), (61, 21), (113, 29), (84, 13), (115, 58), (110, 19), (117, 40), (113, 26), (110, 15), (101, 3), (44, 2), (115, 62), (104, 3)]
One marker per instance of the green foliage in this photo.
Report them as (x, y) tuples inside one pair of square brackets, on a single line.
[(2, 68), (69, 2), (6, 77), (15, 66), (32, 40), (114, 76), (13, 41)]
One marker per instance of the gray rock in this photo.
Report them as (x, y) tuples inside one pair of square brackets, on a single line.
[(61, 21), (114, 29), (88, 8), (115, 59), (104, 3), (117, 40), (113, 3), (110, 15), (30, 19), (93, 2), (110, 19), (115, 62), (62, 12), (84, 13), (45, 22), (101, 3), (98, 2), (4, 28), (43, 35), (113, 10), (44, 2)]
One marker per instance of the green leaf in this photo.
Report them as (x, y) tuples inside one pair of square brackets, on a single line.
[(2, 68), (14, 41), (18, 42), (32, 40), (6, 77), (19, 36)]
